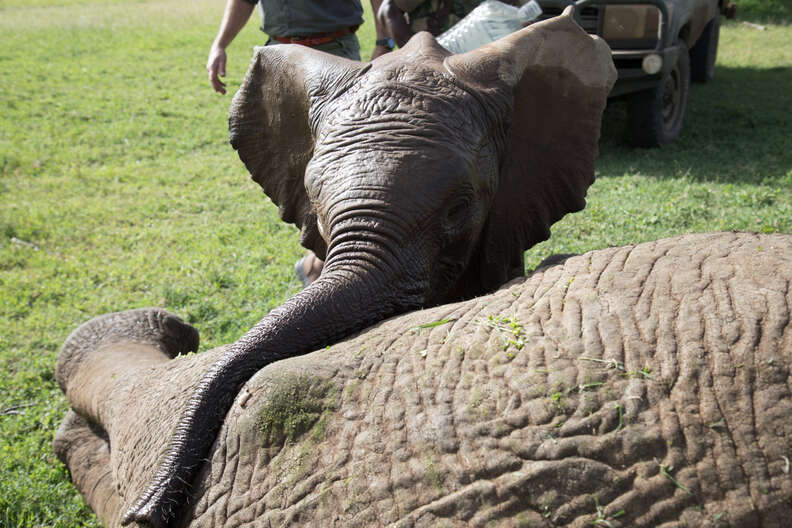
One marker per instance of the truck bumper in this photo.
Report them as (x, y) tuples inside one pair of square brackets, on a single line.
[(632, 77)]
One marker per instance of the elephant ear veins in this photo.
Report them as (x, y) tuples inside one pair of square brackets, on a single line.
[(559, 78), (270, 124)]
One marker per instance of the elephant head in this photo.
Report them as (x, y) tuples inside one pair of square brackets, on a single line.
[(420, 178)]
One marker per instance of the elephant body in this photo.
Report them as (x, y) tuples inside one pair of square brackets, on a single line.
[(646, 385)]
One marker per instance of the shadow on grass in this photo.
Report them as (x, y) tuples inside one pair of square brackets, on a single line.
[(737, 129)]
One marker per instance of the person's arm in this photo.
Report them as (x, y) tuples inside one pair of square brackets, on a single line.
[(236, 15), (392, 18), (384, 41)]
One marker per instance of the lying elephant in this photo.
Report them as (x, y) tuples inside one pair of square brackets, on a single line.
[(420, 178), (646, 385)]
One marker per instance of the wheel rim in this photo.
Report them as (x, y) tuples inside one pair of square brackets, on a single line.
[(713, 51), (672, 95)]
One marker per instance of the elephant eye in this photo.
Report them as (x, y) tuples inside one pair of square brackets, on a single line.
[(458, 213)]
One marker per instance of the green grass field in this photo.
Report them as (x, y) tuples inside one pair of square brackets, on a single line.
[(118, 189)]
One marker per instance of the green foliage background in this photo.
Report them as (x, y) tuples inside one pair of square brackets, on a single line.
[(764, 10), (118, 190)]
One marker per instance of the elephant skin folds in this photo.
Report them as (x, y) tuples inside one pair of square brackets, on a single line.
[(646, 385)]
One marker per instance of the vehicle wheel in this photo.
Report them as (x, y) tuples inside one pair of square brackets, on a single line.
[(704, 52), (655, 116)]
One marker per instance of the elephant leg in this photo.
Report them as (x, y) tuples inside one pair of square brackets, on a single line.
[(83, 447), (113, 351)]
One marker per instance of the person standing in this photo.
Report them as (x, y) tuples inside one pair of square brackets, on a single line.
[(326, 25)]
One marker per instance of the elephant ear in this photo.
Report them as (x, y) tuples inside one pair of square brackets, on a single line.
[(559, 77), (272, 121)]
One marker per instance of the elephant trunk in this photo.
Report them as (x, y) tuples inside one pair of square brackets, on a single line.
[(355, 290)]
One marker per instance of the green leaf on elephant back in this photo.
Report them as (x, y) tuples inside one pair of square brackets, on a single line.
[(435, 323)]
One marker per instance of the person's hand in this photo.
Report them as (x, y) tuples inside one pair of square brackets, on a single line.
[(380, 50), (216, 66)]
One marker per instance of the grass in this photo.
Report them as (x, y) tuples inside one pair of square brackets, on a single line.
[(118, 189)]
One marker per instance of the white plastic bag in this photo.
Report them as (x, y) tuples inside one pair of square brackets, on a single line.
[(489, 21)]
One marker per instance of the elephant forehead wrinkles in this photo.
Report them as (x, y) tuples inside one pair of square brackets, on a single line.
[(389, 144), (407, 181), (411, 77), (397, 113), (408, 137), (405, 190)]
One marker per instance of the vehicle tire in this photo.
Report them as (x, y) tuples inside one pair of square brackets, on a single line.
[(704, 52), (655, 116)]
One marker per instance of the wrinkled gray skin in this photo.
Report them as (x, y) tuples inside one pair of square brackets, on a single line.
[(420, 178), (652, 379)]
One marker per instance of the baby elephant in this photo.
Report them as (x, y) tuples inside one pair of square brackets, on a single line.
[(639, 386), (419, 178)]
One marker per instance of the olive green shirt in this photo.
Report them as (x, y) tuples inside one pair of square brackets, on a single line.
[(291, 18)]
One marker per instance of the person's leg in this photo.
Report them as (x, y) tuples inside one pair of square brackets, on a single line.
[(308, 268)]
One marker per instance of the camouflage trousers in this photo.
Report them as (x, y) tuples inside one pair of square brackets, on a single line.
[(424, 16)]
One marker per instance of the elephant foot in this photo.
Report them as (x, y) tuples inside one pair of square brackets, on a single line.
[(150, 326)]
